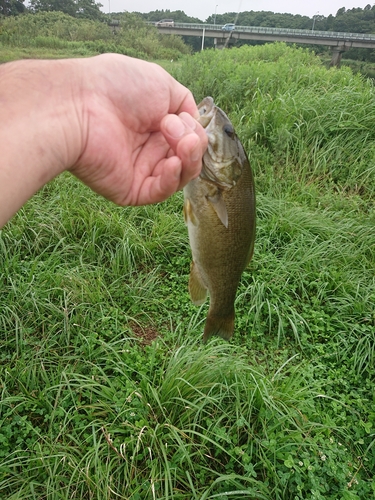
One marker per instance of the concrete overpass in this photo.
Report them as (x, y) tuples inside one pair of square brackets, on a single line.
[(338, 41)]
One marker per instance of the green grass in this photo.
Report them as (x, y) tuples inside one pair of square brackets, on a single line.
[(55, 34), (8, 54), (106, 389)]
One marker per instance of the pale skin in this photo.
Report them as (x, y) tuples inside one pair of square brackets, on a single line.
[(123, 126)]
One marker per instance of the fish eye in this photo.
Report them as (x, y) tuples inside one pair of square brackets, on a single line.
[(228, 129)]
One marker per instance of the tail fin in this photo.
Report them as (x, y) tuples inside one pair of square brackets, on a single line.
[(219, 325)]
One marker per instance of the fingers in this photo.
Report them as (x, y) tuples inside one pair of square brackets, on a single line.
[(159, 187), (188, 140)]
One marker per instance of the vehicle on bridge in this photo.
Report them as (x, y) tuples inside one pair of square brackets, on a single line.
[(165, 22), (228, 27)]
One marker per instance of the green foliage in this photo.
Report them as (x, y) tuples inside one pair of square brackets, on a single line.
[(87, 37), (11, 7), (177, 15), (88, 9), (263, 18), (22, 30), (290, 108), (355, 20), (106, 390)]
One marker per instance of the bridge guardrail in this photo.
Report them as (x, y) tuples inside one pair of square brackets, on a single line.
[(283, 31)]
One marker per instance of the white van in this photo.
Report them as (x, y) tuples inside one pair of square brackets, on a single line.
[(165, 22)]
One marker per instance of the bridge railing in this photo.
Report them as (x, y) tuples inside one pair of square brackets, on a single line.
[(283, 31)]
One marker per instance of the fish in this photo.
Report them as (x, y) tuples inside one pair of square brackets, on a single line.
[(219, 211)]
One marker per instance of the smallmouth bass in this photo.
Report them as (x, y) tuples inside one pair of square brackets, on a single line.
[(219, 211)]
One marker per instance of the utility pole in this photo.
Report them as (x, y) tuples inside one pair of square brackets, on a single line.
[(215, 15), (314, 19)]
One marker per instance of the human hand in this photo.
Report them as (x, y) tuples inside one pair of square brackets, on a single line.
[(125, 127), (141, 142)]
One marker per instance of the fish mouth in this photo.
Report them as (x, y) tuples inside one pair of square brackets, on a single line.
[(214, 160), (207, 110)]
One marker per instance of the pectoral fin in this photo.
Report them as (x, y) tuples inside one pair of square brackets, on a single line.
[(189, 215), (197, 290), (218, 204)]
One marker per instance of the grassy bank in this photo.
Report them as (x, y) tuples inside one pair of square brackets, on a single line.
[(106, 390), (54, 34)]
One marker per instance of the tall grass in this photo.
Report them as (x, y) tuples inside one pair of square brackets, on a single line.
[(106, 390), (314, 125), (84, 37), (185, 427)]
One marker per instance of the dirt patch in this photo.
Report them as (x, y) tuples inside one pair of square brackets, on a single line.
[(145, 334)]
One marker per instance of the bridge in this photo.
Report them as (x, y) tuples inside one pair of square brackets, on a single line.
[(338, 42)]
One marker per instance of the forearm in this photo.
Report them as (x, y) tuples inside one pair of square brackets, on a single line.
[(36, 116)]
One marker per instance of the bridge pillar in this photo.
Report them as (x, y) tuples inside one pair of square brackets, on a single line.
[(222, 43), (219, 43), (336, 56)]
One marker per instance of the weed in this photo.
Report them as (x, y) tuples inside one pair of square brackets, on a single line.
[(90, 408)]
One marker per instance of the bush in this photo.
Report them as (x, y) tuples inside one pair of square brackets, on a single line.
[(54, 30), (285, 104)]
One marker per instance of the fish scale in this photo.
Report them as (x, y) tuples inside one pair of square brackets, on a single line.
[(219, 211)]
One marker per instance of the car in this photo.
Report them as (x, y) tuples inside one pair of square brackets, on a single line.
[(165, 22), (228, 27)]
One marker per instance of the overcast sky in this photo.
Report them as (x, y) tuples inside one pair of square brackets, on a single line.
[(204, 8)]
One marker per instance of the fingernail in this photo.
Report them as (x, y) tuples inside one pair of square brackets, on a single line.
[(175, 127)]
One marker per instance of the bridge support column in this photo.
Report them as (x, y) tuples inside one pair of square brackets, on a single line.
[(219, 43), (336, 56)]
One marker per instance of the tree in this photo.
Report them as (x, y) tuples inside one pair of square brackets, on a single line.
[(66, 6), (11, 7), (87, 9)]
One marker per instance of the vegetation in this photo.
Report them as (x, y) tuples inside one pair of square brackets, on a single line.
[(131, 36), (88, 9), (106, 390), (12, 7), (58, 34), (354, 20)]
